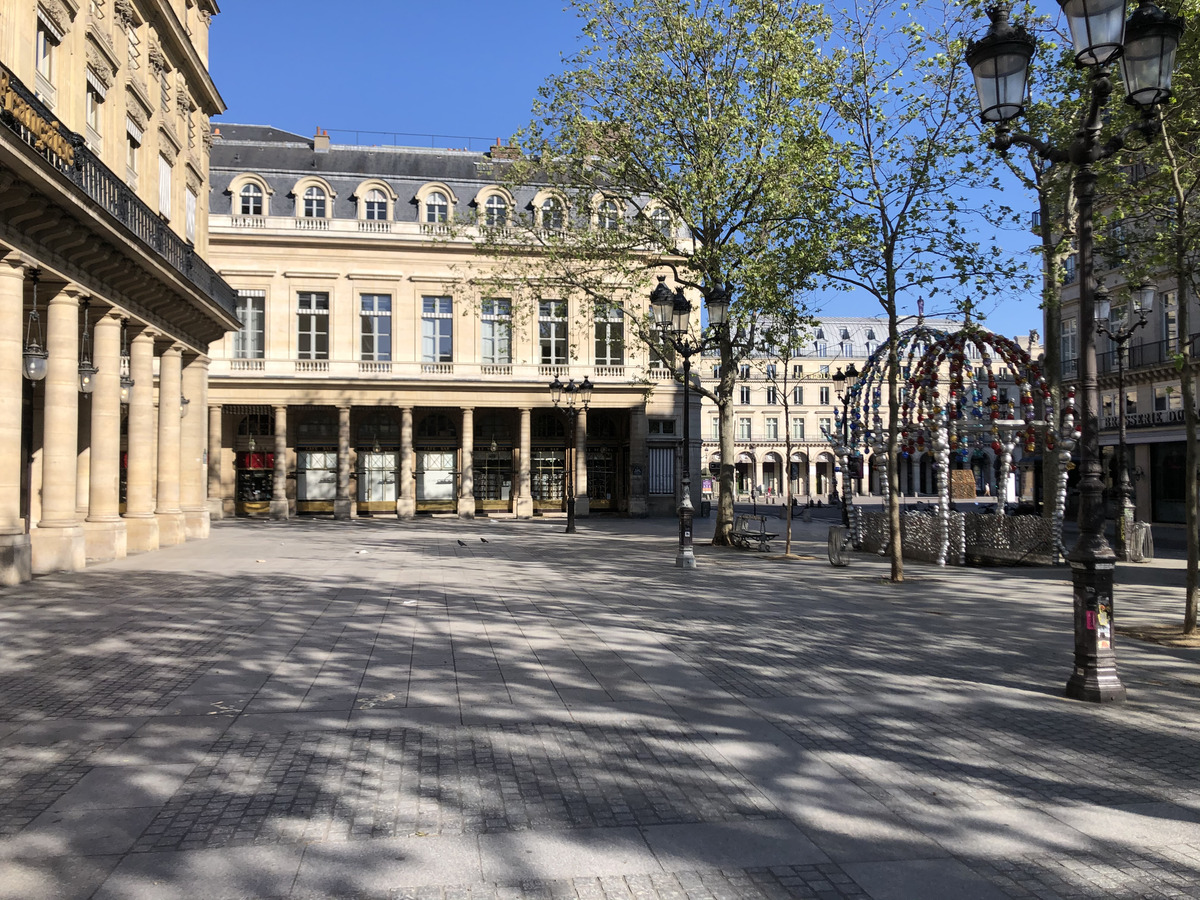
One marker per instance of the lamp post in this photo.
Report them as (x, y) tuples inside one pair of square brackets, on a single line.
[(843, 382), (672, 314), (573, 399), (1143, 302), (999, 61)]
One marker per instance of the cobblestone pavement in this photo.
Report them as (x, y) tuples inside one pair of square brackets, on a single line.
[(493, 709)]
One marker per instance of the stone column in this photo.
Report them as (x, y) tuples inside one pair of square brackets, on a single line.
[(583, 506), (466, 488), (193, 446), (104, 528), (343, 505), (15, 558), (279, 499), (141, 525), (58, 542), (216, 500), (524, 508), (170, 389), (639, 463), (812, 477), (406, 503)]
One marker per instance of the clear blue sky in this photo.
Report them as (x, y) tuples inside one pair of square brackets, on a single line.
[(456, 68)]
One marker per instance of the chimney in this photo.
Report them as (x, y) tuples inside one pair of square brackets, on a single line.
[(499, 151), (321, 141)]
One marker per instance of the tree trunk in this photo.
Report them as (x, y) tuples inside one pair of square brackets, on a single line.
[(1187, 389), (724, 523), (893, 446)]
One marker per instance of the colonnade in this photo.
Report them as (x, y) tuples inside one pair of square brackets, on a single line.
[(60, 449)]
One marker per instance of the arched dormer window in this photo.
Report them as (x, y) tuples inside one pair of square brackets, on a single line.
[(249, 196), (608, 215), (437, 208), (660, 219), (553, 214), (316, 203), (375, 205), (495, 211), (375, 199), (250, 200)]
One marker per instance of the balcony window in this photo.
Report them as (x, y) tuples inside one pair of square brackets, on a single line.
[(312, 325), (797, 429), (376, 324), (798, 395), (552, 214), (495, 214), (608, 217), (165, 171), (496, 325), (437, 208), (1070, 339), (772, 429), (552, 332), (375, 206), (772, 396), (823, 396), (744, 395), (251, 312), (437, 329), (94, 114), (46, 61), (743, 429), (610, 337)]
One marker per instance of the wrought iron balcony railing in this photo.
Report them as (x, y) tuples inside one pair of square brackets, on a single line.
[(66, 152)]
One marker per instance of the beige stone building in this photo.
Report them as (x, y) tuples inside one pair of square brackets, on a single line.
[(373, 376), (107, 306)]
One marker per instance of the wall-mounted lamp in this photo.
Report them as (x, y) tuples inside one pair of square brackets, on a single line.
[(126, 378), (33, 359), (87, 371)]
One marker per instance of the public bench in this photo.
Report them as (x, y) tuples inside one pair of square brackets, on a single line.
[(750, 533)]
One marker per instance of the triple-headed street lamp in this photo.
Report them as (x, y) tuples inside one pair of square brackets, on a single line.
[(673, 315), (574, 398), (1120, 333), (843, 382), (999, 61)]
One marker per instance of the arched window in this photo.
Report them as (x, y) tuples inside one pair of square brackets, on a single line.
[(661, 220), (250, 200), (496, 212), (552, 214), (314, 203), (607, 216), (437, 208), (375, 205)]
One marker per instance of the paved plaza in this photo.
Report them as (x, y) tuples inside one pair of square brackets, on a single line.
[(493, 709)]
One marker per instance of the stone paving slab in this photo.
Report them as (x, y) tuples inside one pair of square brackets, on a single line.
[(274, 714)]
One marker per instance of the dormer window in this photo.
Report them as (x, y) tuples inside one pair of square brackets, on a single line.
[(375, 206), (315, 203), (661, 220), (608, 217), (552, 214), (250, 200), (495, 212), (437, 208)]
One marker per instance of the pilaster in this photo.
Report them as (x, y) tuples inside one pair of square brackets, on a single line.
[(524, 508), (15, 554), (104, 529), (466, 489), (216, 503), (406, 503), (141, 525), (343, 506), (170, 395), (279, 499)]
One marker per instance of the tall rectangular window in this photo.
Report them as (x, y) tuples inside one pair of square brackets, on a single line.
[(496, 348), (823, 397), (376, 321), (826, 425), (798, 395), (164, 187), (797, 371), (251, 312), (189, 223), (743, 429), (772, 396), (1167, 399), (312, 325), (437, 329), (610, 336), (552, 332), (47, 47), (1070, 339), (797, 429), (772, 429), (94, 113), (744, 395), (714, 429), (133, 144), (1169, 305)]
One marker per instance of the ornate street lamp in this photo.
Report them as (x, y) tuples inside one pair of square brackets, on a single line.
[(126, 378), (33, 357), (1120, 333), (1150, 39), (573, 398), (673, 314)]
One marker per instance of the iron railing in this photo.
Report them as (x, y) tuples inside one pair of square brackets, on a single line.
[(112, 194)]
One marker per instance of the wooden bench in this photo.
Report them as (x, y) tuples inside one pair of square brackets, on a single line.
[(750, 533)]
